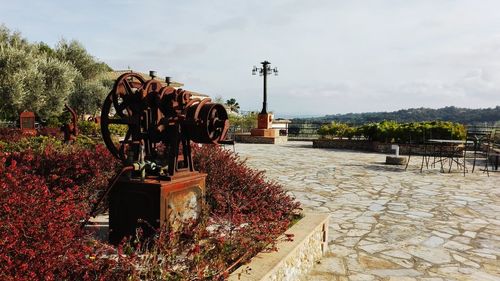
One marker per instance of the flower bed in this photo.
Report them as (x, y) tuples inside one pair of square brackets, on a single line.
[(47, 189)]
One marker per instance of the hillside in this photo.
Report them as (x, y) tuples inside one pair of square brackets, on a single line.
[(449, 113)]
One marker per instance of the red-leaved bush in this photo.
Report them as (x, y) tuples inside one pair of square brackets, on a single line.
[(41, 238), (253, 210), (88, 170), (246, 214), (46, 192), (242, 195), (43, 197), (11, 135)]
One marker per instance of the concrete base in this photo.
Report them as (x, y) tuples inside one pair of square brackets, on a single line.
[(153, 203), (294, 259), (245, 138), (395, 160)]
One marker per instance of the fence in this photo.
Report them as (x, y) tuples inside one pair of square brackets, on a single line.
[(304, 130)]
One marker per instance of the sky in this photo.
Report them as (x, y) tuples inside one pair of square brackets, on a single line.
[(333, 56)]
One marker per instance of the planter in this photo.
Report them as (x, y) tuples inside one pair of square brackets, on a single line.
[(294, 259)]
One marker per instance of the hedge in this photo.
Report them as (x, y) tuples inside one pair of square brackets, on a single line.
[(391, 131)]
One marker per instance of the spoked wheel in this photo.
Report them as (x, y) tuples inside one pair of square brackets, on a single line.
[(122, 103), (118, 149), (125, 94)]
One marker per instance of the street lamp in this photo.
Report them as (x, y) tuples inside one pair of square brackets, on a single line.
[(264, 71)]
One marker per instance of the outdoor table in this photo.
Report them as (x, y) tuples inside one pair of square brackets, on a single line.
[(448, 150)]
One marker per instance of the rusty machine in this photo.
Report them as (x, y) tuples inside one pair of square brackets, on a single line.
[(70, 129), (158, 185)]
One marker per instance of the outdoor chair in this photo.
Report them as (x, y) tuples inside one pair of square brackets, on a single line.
[(493, 152), (453, 153), (476, 140), (414, 146), (429, 151)]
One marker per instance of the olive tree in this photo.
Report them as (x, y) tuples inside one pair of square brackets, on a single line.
[(35, 77), (31, 81), (91, 86)]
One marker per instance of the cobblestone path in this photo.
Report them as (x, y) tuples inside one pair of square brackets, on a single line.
[(387, 223)]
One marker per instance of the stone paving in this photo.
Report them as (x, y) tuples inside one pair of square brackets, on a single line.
[(387, 223)]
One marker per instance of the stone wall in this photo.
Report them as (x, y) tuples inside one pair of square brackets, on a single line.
[(246, 138), (365, 145), (294, 259)]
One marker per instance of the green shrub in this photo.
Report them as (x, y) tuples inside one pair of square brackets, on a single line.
[(336, 129), (53, 122), (243, 123), (36, 143), (89, 128), (117, 129), (391, 131), (84, 141)]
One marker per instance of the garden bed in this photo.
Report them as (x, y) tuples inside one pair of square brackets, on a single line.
[(48, 188)]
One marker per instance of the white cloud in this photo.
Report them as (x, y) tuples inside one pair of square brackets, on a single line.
[(334, 56)]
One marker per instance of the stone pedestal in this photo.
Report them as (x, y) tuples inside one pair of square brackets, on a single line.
[(264, 121), (272, 133), (153, 203), (263, 133), (247, 138)]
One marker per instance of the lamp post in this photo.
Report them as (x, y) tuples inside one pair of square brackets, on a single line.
[(264, 71)]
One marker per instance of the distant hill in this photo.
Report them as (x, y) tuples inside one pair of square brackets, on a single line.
[(449, 113)]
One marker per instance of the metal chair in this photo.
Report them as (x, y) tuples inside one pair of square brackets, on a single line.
[(476, 139), (414, 146), (493, 151)]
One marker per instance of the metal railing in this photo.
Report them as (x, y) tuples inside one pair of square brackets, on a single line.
[(304, 131)]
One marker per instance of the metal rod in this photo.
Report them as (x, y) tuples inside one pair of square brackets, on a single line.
[(264, 72), (106, 192)]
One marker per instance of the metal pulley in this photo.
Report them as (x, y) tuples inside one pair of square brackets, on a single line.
[(207, 122), (154, 115)]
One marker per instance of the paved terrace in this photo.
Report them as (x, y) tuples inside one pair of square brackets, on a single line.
[(387, 223)]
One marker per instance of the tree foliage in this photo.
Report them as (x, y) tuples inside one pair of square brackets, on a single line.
[(74, 52), (233, 105), (449, 113), (243, 123), (37, 78)]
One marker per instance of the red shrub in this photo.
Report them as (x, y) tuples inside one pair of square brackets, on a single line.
[(87, 169), (45, 193), (245, 214), (257, 210), (43, 197), (11, 135), (54, 132), (41, 238)]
